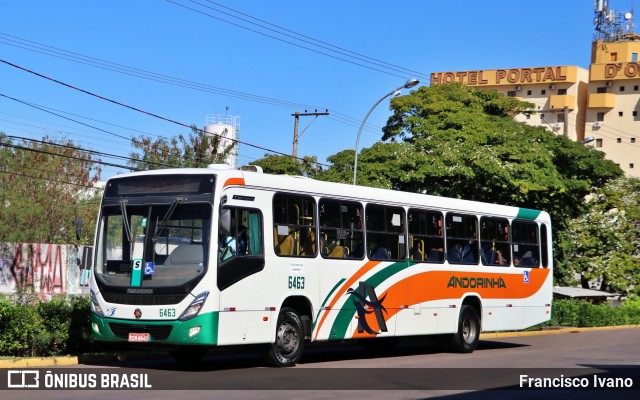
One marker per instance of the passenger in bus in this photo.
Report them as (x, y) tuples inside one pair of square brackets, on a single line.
[(436, 254), (242, 241)]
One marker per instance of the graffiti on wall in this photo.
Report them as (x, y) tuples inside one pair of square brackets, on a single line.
[(44, 269)]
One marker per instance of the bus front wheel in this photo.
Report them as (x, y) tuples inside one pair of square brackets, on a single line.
[(287, 348), (468, 334)]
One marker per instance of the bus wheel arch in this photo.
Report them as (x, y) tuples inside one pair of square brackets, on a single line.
[(469, 326), (286, 350), (302, 306)]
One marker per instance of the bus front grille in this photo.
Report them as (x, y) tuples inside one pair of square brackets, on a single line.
[(157, 332), (143, 299)]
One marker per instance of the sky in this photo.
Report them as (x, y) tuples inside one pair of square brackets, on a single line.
[(260, 61)]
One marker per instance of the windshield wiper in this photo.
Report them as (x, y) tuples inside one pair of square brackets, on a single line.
[(125, 220), (160, 226)]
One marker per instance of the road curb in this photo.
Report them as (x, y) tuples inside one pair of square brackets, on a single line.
[(553, 331), (43, 362)]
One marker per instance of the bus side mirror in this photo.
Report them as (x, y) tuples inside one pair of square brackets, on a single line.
[(225, 221)]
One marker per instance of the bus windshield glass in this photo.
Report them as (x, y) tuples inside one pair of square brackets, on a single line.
[(153, 245)]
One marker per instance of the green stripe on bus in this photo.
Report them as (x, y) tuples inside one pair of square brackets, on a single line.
[(346, 315), (325, 302), (526, 213)]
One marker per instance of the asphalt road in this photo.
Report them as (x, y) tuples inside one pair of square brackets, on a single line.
[(501, 368)]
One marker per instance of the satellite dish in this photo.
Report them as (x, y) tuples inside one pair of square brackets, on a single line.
[(628, 16)]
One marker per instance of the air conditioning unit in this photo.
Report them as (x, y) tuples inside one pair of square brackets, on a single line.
[(608, 83), (597, 124), (518, 87), (552, 86)]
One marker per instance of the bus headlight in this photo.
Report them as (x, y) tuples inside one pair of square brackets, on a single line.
[(95, 306), (194, 307)]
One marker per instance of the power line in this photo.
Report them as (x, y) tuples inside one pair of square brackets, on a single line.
[(145, 112), (282, 40), (79, 58), (312, 41)]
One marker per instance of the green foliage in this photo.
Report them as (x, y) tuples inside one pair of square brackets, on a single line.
[(582, 314), (29, 327), (198, 150), (44, 186), (285, 165), (605, 241), (456, 141)]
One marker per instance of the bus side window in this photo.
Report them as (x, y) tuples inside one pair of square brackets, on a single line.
[(494, 241), (294, 225), (244, 237), (341, 229), (544, 246), (386, 238), (462, 238), (426, 239), (526, 248)]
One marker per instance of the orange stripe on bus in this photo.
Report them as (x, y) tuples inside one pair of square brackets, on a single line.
[(434, 285), (365, 268), (234, 181)]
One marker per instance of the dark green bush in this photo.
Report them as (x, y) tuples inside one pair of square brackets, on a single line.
[(31, 327)]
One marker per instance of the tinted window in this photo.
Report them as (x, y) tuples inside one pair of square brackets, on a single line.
[(341, 229), (462, 238), (385, 233), (426, 238)]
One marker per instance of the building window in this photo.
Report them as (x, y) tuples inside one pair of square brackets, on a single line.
[(634, 57), (528, 116), (636, 87), (562, 91), (633, 140), (541, 117), (543, 92), (511, 93), (620, 113), (622, 88), (635, 113), (598, 142), (560, 118), (600, 116), (630, 165), (601, 90), (618, 140), (528, 92)]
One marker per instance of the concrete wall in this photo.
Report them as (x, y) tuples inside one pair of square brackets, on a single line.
[(44, 269)]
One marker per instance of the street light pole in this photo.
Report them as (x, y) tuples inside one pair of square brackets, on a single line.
[(408, 84)]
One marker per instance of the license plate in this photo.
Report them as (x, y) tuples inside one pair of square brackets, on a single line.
[(139, 337)]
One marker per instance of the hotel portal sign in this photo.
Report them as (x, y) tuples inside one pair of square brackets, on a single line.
[(507, 76)]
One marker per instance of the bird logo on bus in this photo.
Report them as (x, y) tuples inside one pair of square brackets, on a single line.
[(364, 307)]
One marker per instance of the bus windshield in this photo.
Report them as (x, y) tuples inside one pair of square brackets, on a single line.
[(153, 245)]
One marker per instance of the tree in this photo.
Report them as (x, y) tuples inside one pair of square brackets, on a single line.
[(195, 151), (285, 165), (44, 186), (605, 242), (456, 141)]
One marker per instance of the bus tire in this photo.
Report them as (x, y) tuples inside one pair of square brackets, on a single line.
[(466, 338), (287, 348)]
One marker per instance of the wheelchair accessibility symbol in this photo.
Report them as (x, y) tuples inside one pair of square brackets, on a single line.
[(525, 277), (149, 268)]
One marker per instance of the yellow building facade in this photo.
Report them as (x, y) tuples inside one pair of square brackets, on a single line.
[(602, 103)]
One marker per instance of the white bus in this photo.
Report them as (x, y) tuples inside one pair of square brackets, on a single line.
[(197, 258)]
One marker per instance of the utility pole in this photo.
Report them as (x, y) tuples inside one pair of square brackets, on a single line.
[(296, 123)]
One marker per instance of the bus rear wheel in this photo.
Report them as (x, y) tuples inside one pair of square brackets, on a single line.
[(466, 338), (287, 348)]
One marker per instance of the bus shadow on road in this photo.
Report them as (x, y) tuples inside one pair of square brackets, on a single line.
[(244, 357)]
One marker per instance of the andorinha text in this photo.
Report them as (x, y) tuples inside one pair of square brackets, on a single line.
[(478, 282)]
